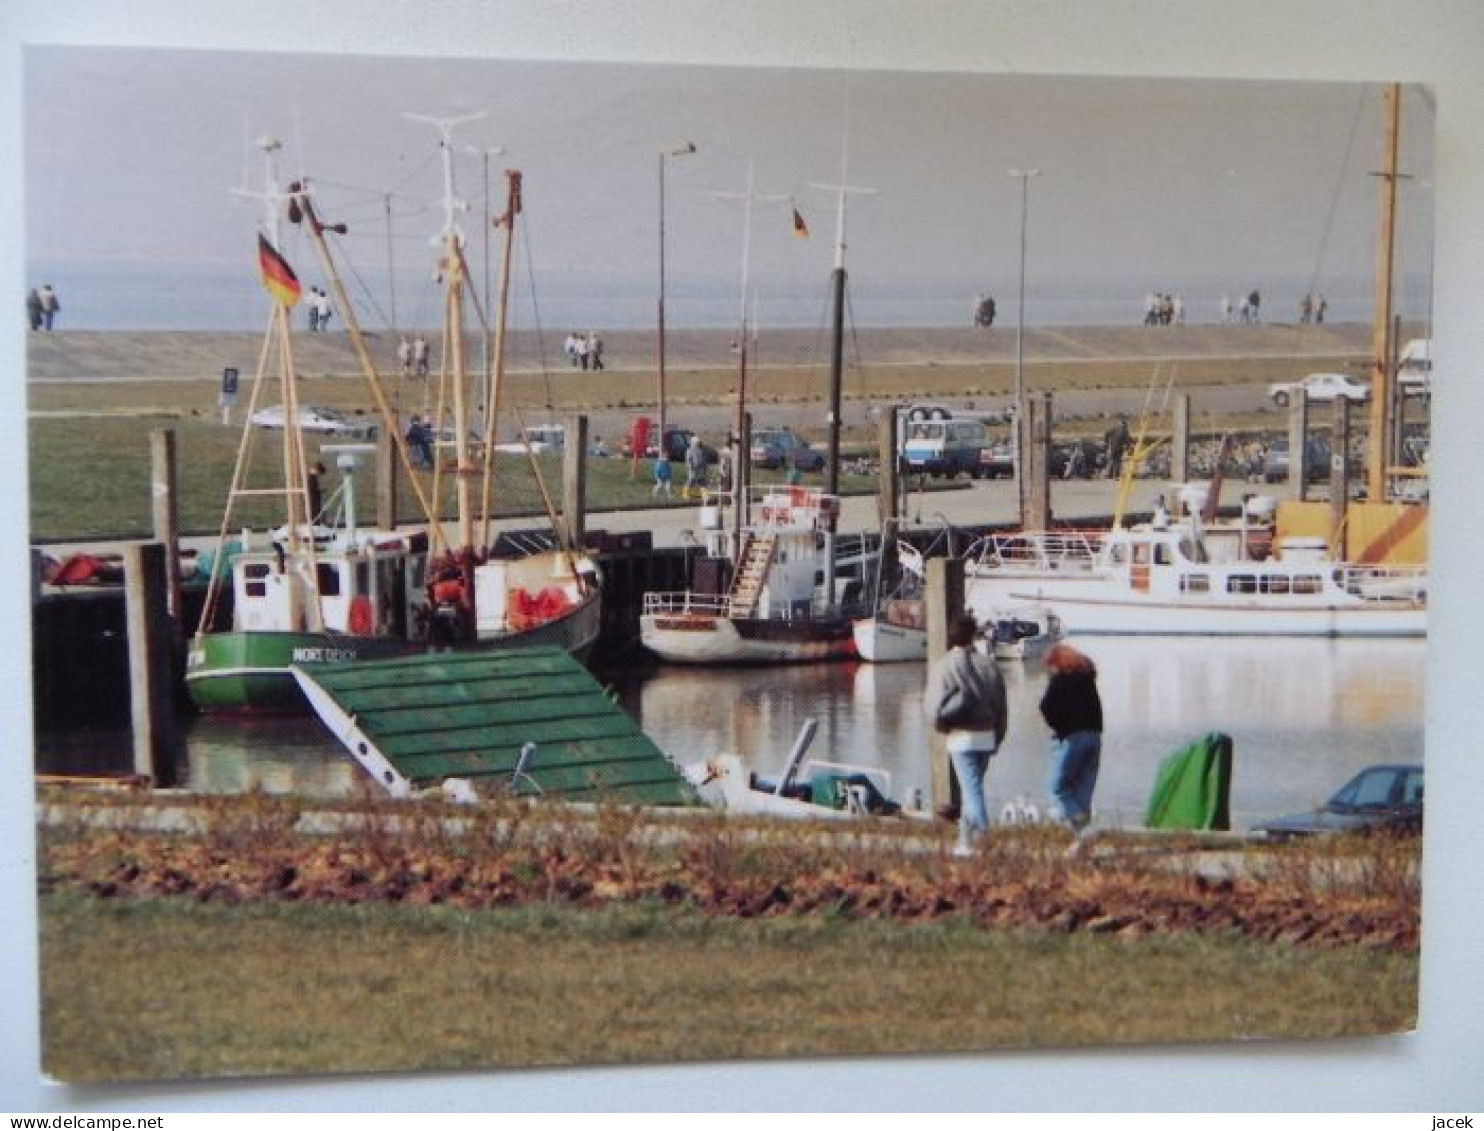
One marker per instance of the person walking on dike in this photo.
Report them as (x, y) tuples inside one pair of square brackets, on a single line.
[(311, 309), (33, 309), (662, 476), (1074, 712), (594, 351), (1226, 309), (965, 701), (583, 357), (404, 355), (420, 355), (325, 310), (695, 467), (51, 306)]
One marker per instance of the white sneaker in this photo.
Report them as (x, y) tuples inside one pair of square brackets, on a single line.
[(963, 850)]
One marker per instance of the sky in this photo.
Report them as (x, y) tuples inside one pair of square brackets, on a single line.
[(1196, 187)]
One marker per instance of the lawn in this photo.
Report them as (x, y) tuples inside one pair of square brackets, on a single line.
[(175, 988)]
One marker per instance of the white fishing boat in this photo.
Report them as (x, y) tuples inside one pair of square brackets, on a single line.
[(767, 603), (897, 631), (1164, 581)]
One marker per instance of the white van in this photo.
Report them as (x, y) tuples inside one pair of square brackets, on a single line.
[(943, 447)]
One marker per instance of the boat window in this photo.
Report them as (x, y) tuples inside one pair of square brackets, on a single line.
[(1241, 583), (1195, 551), (1308, 583), (327, 577), (1195, 583), (1275, 584), (1141, 553), (363, 577), (255, 576), (1118, 554), (1163, 555)]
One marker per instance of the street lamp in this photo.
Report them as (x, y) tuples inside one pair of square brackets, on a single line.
[(681, 149), (1024, 175)]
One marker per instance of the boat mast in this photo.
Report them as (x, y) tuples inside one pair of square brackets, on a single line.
[(506, 224), (1378, 447), (739, 479), (452, 240)]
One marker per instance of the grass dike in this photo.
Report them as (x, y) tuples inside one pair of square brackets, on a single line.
[(252, 935)]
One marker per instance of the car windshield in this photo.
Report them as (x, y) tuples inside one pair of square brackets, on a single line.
[(1374, 789)]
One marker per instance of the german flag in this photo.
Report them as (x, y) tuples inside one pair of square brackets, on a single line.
[(278, 277), (801, 229)]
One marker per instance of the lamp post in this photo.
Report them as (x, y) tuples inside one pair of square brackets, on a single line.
[(680, 150), (1024, 176)]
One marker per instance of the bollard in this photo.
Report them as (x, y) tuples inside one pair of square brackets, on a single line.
[(574, 479), (151, 686), (945, 600)]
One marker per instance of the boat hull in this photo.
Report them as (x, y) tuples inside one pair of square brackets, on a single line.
[(881, 642), (696, 638), (251, 671), (1094, 608)]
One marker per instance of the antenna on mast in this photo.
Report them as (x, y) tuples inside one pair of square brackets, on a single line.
[(270, 194), (451, 203)]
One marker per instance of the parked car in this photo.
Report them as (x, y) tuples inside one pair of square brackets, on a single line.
[(1320, 387), (677, 441), (996, 461), (1276, 461), (312, 418), (1385, 798), (1414, 367), (782, 447)]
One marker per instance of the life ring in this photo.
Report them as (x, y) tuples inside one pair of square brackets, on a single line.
[(360, 621)]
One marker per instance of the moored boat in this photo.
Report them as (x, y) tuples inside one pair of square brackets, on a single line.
[(767, 602), (1163, 581)]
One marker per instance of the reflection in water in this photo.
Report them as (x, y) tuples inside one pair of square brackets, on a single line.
[(1304, 716)]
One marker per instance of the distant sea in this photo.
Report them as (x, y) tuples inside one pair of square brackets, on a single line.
[(223, 298)]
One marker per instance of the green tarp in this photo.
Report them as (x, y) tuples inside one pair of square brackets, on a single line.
[(1192, 787)]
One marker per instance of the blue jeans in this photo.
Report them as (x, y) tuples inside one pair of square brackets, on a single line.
[(969, 767), (1074, 773)]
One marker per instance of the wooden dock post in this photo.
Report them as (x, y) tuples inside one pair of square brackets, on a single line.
[(151, 687), (1298, 446), (386, 481), (888, 485), (1339, 479), (1036, 514), (945, 600), (574, 479), (165, 514), (1180, 441)]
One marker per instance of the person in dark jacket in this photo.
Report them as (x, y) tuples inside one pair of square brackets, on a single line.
[(965, 700), (1074, 712)]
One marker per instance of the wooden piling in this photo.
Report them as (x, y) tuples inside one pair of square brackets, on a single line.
[(151, 684), (1298, 445), (888, 490), (574, 479), (1339, 478), (165, 514), (1180, 440), (386, 481), (1036, 508), (945, 601)]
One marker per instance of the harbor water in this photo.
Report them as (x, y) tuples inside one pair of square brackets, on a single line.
[(1304, 716)]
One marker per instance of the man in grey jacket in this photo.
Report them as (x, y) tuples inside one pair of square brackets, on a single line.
[(965, 701)]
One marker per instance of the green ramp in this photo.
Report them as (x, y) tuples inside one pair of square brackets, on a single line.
[(1192, 787), (414, 722)]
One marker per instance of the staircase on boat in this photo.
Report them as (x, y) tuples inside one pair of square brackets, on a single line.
[(752, 573)]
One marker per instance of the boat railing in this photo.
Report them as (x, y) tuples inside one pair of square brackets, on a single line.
[(1060, 549), (685, 603), (1384, 582)]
